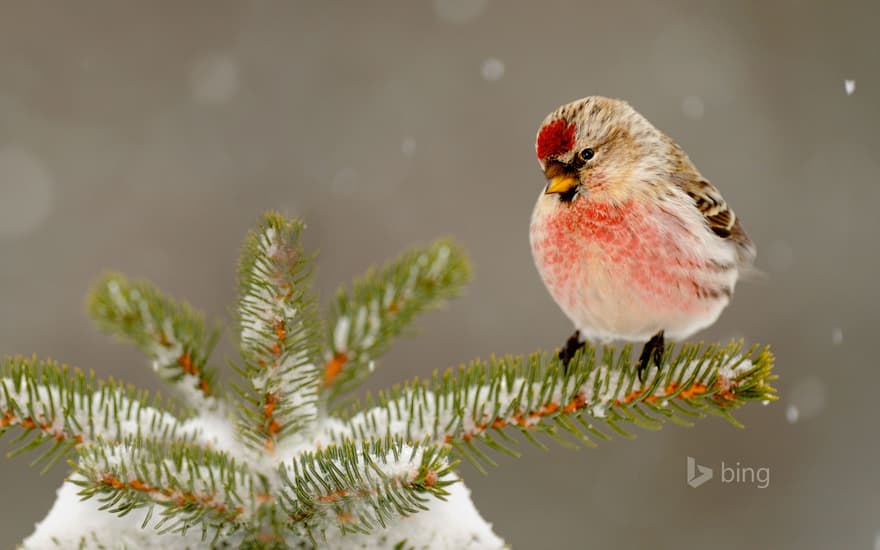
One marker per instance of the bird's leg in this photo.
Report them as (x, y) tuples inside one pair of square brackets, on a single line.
[(570, 348), (653, 349)]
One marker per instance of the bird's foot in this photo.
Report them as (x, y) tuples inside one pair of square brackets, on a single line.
[(653, 350), (572, 345)]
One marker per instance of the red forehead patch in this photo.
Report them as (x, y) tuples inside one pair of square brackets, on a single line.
[(555, 138)]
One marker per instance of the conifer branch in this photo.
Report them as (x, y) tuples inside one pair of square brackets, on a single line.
[(360, 487), (382, 303), (537, 394), (192, 486), (69, 408), (279, 328), (173, 334), (294, 475)]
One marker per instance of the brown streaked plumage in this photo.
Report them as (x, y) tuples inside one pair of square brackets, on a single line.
[(719, 216)]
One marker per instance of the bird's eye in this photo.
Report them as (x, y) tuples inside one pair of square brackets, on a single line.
[(587, 154)]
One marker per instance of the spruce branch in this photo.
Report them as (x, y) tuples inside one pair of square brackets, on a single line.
[(592, 399), (69, 408), (360, 487), (173, 334), (193, 487), (279, 328), (382, 303), (286, 473)]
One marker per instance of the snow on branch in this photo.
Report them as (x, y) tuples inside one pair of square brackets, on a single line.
[(537, 394), (68, 408), (382, 303), (359, 488), (279, 328), (194, 487), (172, 334)]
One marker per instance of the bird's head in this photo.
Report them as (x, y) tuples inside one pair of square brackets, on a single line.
[(598, 145)]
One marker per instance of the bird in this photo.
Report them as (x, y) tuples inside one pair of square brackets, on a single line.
[(629, 238)]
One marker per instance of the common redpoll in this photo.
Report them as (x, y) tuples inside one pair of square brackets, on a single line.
[(629, 238)]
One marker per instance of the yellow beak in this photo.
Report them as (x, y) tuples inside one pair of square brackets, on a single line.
[(561, 184)]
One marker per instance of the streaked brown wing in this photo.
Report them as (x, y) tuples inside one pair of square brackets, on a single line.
[(721, 219)]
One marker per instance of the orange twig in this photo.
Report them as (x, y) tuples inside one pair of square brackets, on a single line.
[(724, 394), (334, 367)]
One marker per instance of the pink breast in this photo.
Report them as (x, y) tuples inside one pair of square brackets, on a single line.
[(625, 254)]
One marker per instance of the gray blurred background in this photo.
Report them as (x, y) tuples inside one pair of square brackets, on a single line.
[(148, 137)]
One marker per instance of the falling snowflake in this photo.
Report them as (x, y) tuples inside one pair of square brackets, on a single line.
[(806, 399), (837, 336), (849, 86), (492, 70), (408, 147), (693, 107), (214, 79)]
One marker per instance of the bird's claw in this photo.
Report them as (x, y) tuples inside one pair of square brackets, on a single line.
[(641, 367), (653, 351), (572, 345)]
